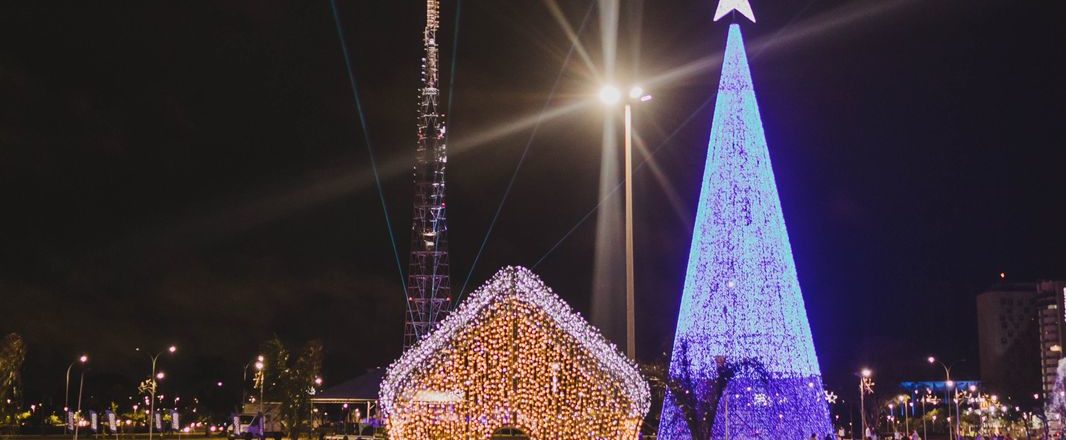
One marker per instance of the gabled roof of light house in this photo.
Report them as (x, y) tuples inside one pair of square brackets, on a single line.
[(521, 284)]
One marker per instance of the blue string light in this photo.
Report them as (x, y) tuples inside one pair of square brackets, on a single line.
[(742, 298)]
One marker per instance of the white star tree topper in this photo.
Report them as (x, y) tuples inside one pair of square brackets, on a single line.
[(727, 6)]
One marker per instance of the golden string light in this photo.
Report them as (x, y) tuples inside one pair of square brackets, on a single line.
[(514, 355)]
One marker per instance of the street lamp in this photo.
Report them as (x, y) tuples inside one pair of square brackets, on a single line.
[(949, 384), (311, 391), (153, 384), (891, 417), (611, 95), (81, 386), (259, 365), (344, 410), (866, 386), (244, 378), (66, 394), (929, 397), (904, 404)]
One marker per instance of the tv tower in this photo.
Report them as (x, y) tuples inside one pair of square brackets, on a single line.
[(429, 291)]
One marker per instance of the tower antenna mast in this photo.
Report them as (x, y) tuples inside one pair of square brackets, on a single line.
[(429, 296)]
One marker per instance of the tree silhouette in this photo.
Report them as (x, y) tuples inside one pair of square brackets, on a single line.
[(290, 381), (12, 354), (698, 397)]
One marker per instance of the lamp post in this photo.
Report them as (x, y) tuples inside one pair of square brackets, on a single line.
[(866, 386), (153, 382), (346, 413), (892, 420), (905, 405), (81, 386), (66, 393), (259, 365), (244, 382), (311, 404), (949, 385), (611, 95), (925, 430), (358, 423), (933, 400), (958, 408)]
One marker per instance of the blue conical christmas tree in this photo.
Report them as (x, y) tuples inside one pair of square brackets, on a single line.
[(742, 311)]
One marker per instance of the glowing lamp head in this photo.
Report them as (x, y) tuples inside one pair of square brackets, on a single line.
[(318, 381), (931, 359), (866, 372), (160, 375), (84, 358), (259, 365), (636, 92), (973, 388), (260, 358), (172, 349), (950, 383), (610, 95)]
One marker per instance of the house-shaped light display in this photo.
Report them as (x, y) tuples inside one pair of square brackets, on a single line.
[(513, 356)]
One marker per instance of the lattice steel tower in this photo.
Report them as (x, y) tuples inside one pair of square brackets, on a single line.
[(429, 292)]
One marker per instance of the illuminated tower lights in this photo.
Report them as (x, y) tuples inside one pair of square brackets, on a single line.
[(428, 275), (742, 298)]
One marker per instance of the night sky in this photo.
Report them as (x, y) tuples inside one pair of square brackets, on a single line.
[(196, 172)]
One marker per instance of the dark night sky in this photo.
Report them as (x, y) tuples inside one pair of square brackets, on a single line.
[(195, 172)]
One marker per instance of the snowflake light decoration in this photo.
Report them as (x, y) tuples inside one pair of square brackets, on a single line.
[(513, 355), (742, 298)]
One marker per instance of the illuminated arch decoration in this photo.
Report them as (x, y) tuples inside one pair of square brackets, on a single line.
[(742, 298), (513, 355)]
